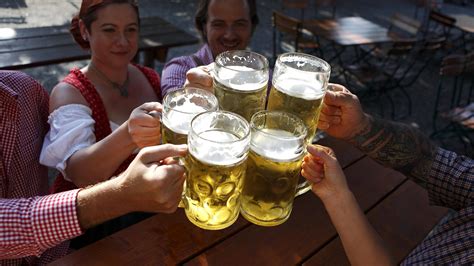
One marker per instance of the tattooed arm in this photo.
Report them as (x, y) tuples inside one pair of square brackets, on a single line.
[(394, 145), (398, 146)]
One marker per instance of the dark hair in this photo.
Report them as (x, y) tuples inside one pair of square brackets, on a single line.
[(200, 18), (88, 14)]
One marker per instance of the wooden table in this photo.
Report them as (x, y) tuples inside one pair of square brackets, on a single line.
[(31, 47), (464, 22), (349, 31), (396, 207)]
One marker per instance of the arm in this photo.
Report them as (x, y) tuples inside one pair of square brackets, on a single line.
[(82, 168), (30, 226), (394, 145), (361, 242), (174, 75)]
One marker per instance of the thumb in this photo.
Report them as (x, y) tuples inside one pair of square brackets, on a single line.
[(200, 76), (337, 95), (158, 153), (323, 153), (151, 106)]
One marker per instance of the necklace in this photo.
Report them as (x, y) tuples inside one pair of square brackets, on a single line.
[(122, 88)]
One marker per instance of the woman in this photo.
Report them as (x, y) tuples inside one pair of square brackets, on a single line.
[(95, 123)]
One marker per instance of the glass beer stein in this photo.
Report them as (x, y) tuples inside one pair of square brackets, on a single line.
[(179, 108), (240, 82), (299, 84), (218, 144), (277, 148)]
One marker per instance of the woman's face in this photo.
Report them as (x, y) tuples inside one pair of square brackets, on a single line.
[(114, 35)]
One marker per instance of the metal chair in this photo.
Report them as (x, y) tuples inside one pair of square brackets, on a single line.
[(288, 35), (326, 8), (453, 115)]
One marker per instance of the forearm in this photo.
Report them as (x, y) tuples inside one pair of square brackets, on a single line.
[(362, 244), (101, 202), (398, 146), (99, 161)]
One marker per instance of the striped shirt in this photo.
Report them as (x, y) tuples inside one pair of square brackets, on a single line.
[(450, 184), (33, 226), (174, 72)]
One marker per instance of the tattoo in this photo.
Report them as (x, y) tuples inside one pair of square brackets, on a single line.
[(398, 146)]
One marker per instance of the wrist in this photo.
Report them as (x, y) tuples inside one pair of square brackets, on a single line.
[(338, 199), (127, 142), (362, 129)]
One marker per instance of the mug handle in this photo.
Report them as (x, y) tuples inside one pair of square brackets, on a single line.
[(302, 188)]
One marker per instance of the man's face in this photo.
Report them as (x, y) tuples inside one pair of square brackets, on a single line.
[(228, 25)]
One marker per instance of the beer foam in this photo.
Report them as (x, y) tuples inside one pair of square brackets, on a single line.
[(301, 88), (217, 148), (242, 78), (276, 145), (178, 122)]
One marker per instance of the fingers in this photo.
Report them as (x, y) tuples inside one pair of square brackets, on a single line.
[(200, 76), (160, 152), (312, 170), (337, 95), (151, 106), (323, 153)]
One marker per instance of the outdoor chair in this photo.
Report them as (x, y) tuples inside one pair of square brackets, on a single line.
[(325, 9), (453, 115), (289, 36), (376, 77), (300, 5)]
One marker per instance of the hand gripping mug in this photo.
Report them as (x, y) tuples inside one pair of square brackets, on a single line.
[(218, 144), (277, 148)]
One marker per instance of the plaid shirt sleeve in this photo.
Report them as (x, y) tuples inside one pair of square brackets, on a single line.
[(32, 225), (174, 74), (451, 180)]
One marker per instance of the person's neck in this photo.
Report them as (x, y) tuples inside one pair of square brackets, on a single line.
[(114, 74)]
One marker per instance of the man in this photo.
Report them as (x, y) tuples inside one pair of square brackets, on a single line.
[(223, 25), (448, 177), (33, 226)]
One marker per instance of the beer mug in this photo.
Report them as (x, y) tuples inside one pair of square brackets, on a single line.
[(299, 84), (240, 82), (179, 108), (218, 144), (277, 148)]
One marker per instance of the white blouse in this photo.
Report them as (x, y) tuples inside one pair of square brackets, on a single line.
[(71, 129)]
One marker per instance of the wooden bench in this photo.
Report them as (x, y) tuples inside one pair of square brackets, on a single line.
[(31, 47), (397, 208)]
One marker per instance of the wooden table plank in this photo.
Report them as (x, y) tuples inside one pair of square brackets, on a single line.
[(348, 31), (308, 227), (402, 220)]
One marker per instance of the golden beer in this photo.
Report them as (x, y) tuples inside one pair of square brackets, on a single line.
[(299, 97), (179, 108), (273, 169), (212, 195), (299, 84), (245, 100), (240, 82), (174, 129), (218, 144)]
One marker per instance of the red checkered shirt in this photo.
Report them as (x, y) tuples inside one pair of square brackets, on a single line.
[(33, 226)]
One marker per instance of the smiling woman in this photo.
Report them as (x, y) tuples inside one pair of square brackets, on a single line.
[(99, 113)]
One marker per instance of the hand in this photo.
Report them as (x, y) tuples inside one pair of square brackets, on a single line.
[(200, 77), (154, 180), (143, 126), (322, 169), (342, 115)]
